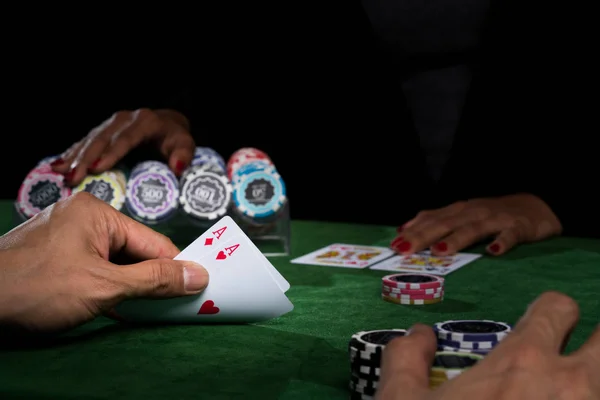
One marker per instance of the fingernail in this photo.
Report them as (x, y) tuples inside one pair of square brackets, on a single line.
[(57, 162), (95, 164), (441, 246), (195, 277), (495, 248), (69, 175), (179, 166), (396, 241), (404, 246)]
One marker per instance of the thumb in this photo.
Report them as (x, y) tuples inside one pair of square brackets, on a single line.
[(163, 278), (406, 363)]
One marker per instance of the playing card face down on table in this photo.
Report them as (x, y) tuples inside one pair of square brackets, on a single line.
[(241, 289), (345, 256)]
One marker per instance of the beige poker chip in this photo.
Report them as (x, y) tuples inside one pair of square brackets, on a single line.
[(106, 187)]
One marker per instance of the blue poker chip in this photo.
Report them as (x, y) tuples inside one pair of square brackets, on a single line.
[(152, 196), (460, 350), (260, 194), (251, 167), (203, 155), (486, 346), (472, 330)]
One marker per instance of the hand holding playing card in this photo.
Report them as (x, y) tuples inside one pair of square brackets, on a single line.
[(510, 220), (244, 286), (56, 272)]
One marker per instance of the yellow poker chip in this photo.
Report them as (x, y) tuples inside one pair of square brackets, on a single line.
[(104, 186), (412, 302), (120, 177), (448, 365)]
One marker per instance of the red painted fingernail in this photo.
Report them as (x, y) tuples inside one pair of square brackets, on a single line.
[(95, 164), (396, 241), (441, 246), (404, 246), (57, 162), (495, 248), (179, 166), (69, 175)]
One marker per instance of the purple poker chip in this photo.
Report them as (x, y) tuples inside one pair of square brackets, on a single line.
[(152, 196)]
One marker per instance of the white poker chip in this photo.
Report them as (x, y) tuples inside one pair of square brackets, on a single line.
[(205, 195)]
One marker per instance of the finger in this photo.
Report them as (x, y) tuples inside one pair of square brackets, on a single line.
[(547, 322), (418, 233), (178, 147), (144, 125), (163, 278), (90, 157), (138, 240), (467, 234), (62, 165), (506, 240), (590, 351), (406, 363)]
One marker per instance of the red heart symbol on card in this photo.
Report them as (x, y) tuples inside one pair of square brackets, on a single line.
[(208, 307), (221, 255)]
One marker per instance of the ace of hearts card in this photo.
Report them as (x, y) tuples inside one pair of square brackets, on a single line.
[(243, 287), (425, 262), (345, 256)]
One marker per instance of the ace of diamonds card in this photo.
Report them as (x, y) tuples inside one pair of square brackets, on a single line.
[(345, 255)]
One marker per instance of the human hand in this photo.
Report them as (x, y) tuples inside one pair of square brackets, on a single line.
[(109, 142), (511, 219), (526, 365), (56, 270)]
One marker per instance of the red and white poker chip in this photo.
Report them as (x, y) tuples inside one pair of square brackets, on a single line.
[(39, 175), (413, 281), (244, 156)]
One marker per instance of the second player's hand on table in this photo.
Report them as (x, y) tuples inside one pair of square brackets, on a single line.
[(57, 272), (509, 220), (109, 142), (526, 365)]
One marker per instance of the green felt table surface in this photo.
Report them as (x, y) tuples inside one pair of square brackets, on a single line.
[(302, 355)]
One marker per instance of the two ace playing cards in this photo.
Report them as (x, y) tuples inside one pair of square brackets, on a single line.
[(383, 258), (243, 287)]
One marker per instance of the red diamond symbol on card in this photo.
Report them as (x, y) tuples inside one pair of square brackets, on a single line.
[(208, 241)]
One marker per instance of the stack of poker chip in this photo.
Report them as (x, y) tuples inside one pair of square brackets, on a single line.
[(412, 289), (109, 186), (206, 155), (366, 350), (152, 193), (259, 193), (41, 188), (448, 365), (205, 188), (470, 336)]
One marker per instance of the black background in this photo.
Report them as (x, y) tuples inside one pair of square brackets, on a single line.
[(67, 70)]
